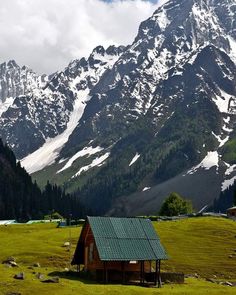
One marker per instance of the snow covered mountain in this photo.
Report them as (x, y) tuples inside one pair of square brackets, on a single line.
[(139, 119), (36, 109)]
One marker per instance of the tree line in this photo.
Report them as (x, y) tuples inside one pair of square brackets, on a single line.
[(22, 199)]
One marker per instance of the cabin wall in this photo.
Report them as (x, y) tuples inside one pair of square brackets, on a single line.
[(92, 261), (231, 213)]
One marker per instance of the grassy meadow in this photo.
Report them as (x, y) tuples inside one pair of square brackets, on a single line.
[(203, 247)]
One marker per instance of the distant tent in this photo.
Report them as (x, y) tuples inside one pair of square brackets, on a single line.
[(7, 222), (43, 221)]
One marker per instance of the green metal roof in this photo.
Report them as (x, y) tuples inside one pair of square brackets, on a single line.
[(124, 239)]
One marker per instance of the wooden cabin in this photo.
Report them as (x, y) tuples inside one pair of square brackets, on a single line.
[(231, 212), (120, 249)]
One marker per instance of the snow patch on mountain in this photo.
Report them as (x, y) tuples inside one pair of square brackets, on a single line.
[(231, 169), (222, 101), (211, 160), (87, 151), (135, 158), (233, 48), (6, 104), (48, 153), (97, 162), (220, 140), (162, 19), (146, 188), (227, 182)]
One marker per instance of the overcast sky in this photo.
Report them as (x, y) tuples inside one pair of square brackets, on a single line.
[(47, 34)]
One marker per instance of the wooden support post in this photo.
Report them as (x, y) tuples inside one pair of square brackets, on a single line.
[(156, 272), (106, 274), (123, 271), (159, 273), (141, 272)]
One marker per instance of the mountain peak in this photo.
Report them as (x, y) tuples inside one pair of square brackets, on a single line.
[(12, 64), (100, 50)]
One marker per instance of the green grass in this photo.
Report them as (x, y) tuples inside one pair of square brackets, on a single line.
[(200, 245), (197, 245)]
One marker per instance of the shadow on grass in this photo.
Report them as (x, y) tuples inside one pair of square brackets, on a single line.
[(84, 278), (74, 276)]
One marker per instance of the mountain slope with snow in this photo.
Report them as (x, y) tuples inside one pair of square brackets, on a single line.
[(126, 119), (47, 113)]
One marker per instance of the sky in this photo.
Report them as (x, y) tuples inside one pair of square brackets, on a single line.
[(47, 34)]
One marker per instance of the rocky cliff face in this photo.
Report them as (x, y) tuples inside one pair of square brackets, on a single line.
[(35, 108), (129, 119)]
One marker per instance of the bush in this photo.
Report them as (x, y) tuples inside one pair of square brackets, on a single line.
[(53, 215), (175, 205)]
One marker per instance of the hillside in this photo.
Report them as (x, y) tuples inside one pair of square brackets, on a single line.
[(197, 245), (22, 199)]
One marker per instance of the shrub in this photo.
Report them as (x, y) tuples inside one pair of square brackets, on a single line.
[(175, 205)]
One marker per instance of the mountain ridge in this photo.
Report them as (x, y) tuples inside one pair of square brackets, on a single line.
[(165, 103)]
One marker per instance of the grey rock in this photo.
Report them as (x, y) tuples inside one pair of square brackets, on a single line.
[(13, 264), (19, 276), (228, 284), (39, 276), (51, 280), (9, 260)]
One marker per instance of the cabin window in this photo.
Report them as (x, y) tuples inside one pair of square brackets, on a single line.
[(133, 262), (91, 252)]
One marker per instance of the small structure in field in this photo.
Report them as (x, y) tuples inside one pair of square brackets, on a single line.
[(7, 222), (120, 249), (231, 212)]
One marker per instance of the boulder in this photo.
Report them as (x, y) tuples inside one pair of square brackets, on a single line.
[(51, 280), (228, 284), (9, 260), (66, 244), (36, 264), (13, 264), (39, 276), (19, 276)]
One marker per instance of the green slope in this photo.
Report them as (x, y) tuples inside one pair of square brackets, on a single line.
[(198, 245)]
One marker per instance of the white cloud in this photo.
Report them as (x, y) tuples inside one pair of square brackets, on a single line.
[(47, 34)]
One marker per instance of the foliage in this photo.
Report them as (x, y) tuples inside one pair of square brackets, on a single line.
[(53, 215), (229, 151), (176, 149), (175, 205), (22, 199)]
